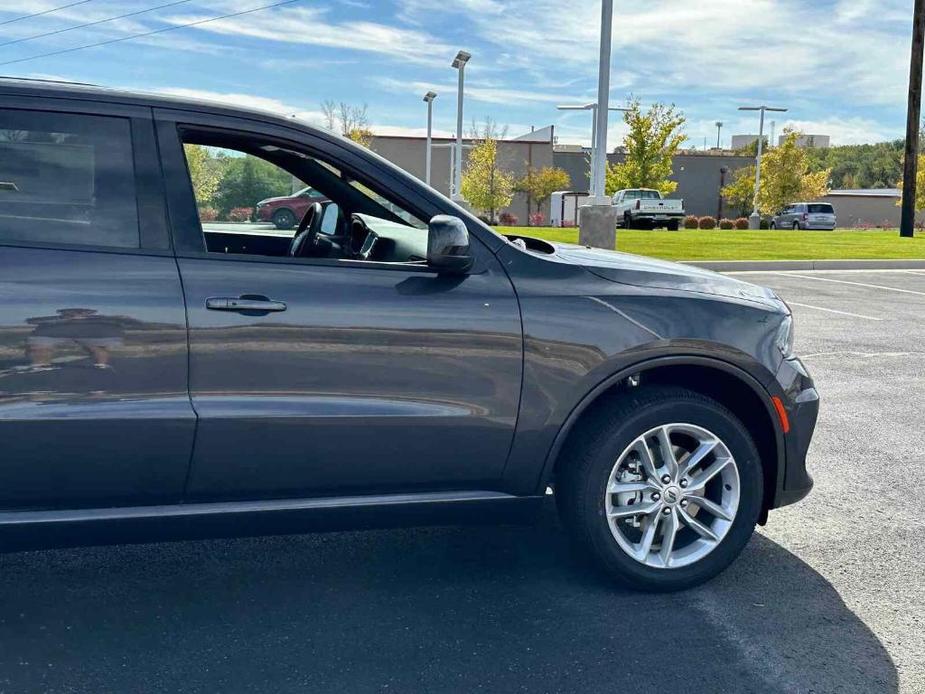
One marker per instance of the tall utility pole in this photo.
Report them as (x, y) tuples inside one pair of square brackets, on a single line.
[(429, 100), (719, 129), (459, 62), (913, 114), (599, 162), (754, 220)]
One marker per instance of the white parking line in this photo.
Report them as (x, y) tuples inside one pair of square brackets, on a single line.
[(832, 310), (856, 284)]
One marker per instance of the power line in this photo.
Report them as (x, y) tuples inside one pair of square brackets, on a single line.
[(149, 33), (91, 24), (39, 14)]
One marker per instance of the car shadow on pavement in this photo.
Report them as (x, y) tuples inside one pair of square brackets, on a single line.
[(497, 609)]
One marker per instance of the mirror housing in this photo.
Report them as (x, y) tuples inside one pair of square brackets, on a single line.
[(448, 245)]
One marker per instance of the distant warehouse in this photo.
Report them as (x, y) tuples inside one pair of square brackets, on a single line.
[(865, 207)]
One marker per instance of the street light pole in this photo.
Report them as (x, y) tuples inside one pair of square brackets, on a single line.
[(913, 113), (459, 62), (429, 100), (754, 221), (719, 128), (599, 160)]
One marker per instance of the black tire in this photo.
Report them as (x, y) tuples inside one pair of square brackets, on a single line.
[(284, 218), (587, 462), (674, 225), (627, 221), (796, 226)]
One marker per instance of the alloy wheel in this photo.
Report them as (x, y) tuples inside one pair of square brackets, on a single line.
[(672, 495)]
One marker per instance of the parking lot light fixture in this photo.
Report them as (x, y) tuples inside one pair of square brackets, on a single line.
[(429, 100), (754, 221), (593, 108), (459, 63), (719, 128)]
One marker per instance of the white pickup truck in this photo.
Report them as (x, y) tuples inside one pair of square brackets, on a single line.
[(644, 208)]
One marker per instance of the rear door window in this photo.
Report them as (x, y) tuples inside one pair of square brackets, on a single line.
[(821, 209), (67, 179)]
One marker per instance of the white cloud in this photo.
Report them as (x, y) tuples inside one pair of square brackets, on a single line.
[(260, 103), (476, 92), (309, 26)]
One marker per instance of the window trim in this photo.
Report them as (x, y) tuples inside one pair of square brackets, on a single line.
[(153, 232), (183, 211)]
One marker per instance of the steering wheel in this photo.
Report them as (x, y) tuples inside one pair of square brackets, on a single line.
[(304, 239)]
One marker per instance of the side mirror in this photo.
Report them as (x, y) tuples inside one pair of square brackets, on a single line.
[(448, 245)]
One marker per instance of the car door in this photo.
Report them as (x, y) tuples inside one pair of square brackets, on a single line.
[(324, 377), (94, 409)]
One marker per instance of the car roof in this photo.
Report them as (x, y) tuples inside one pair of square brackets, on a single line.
[(60, 89)]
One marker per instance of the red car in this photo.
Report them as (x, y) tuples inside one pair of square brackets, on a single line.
[(285, 212)]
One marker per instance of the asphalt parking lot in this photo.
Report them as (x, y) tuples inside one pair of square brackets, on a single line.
[(829, 597)]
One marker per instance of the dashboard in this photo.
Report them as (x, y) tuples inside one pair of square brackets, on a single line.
[(375, 239)]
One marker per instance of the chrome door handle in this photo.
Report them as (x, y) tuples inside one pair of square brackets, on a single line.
[(244, 303)]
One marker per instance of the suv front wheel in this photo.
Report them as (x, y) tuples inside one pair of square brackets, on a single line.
[(663, 488)]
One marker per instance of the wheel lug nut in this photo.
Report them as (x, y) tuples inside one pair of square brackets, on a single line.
[(666, 479), (683, 484), (683, 503), (666, 511), (656, 496)]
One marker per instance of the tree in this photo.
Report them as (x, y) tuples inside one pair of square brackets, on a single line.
[(248, 180), (651, 143), (485, 184), (205, 172), (919, 186), (350, 121), (785, 178), (539, 184)]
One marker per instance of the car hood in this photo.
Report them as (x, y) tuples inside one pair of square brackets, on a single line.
[(642, 271), (276, 199)]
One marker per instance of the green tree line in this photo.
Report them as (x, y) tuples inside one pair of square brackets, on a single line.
[(224, 182)]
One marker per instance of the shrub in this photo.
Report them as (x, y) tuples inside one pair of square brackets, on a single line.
[(764, 224), (208, 214), (568, 223), (240, 214), (537, 219), (708, 222), (691, 222), (741, 223), (726, 223), (507, 219)]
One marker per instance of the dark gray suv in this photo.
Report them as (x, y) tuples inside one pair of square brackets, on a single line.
[(170, 367)]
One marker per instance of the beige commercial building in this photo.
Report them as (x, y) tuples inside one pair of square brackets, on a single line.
[(868, 207), (515, 155)]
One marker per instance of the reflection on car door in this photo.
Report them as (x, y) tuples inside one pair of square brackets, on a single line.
[(370, 379), (94, 409)]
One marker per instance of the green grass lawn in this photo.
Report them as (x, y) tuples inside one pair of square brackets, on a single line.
[(698, 244)]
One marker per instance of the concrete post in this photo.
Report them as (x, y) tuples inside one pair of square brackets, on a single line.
[(597, 226)]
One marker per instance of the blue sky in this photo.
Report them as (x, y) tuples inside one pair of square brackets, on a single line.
[(839, 65)]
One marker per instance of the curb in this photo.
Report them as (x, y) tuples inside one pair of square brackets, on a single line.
[(778, 265)]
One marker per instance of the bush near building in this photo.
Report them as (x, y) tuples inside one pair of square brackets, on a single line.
[(741, 223), (241, 214), (508, 219), (707, 222), (726, 223), (692, 221)]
